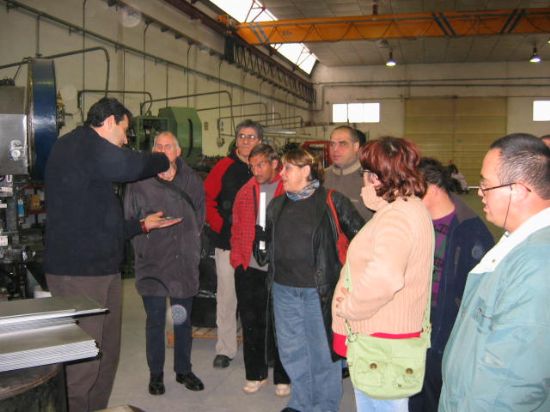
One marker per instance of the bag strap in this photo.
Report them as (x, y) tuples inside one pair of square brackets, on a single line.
[(332, 208), (179, 191)]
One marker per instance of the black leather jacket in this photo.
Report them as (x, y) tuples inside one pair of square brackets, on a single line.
[(323, 245)]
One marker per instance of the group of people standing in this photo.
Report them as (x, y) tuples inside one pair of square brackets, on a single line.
[(417, 248), (276, 225)]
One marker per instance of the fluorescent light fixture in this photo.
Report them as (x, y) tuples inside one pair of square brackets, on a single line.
[(535, 58), (391, 62)]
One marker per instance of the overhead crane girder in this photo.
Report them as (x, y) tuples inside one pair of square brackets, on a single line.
[(395, 26)]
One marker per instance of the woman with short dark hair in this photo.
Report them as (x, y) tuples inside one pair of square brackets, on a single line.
[(389, 261)]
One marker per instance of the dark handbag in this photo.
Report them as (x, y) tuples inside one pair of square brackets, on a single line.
[(342, 241), (261, 234), (260, 254)]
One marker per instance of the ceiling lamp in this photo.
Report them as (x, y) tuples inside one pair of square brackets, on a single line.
[(535, 58), (391, 62)]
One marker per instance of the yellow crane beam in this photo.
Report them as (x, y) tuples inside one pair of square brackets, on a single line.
[(395, 26)]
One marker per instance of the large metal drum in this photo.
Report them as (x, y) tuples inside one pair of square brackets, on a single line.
[(40, 389)]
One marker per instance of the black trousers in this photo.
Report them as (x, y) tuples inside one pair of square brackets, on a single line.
[(155, 308), (258, 343), (428, 399)]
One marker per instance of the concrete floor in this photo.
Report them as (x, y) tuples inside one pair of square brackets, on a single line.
[(223, 391), (223, 388)]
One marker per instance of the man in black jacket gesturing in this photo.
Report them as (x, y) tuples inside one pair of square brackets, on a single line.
[(85, 234)]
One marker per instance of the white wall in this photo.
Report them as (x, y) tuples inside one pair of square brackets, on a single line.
[(520, 82), (130, 71), (520, 109)]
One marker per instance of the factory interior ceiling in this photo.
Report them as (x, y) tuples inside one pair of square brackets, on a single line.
[(364, 32)]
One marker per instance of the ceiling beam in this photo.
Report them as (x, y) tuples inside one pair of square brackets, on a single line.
[(394, 26), (251, 59)]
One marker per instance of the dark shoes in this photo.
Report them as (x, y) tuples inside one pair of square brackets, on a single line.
[(345, 372), (156, 385), (190, 381), (287, 409), (221, 361)]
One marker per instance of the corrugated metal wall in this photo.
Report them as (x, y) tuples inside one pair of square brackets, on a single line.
[(456, 129)]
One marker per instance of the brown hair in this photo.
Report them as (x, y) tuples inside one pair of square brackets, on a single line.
[(301, 157), (395, 162)]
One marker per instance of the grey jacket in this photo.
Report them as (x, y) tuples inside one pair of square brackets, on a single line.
[(349, 182), (166, 261)]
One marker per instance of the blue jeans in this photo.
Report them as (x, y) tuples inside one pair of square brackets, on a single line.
[(365, 403), (155, 308), (304, 351)]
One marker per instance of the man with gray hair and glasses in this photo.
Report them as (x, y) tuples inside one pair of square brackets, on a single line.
[(497, 357), (221, 186)]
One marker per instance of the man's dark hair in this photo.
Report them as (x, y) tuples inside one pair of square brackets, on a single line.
[(436, 174), (265, 150), (361, 137), (524, 158), (104, 108), (250, 123), (352, 133)]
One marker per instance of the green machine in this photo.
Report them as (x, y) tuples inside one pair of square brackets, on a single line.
[(183, 122)]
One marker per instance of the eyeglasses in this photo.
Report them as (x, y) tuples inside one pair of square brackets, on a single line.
[(488, 189), (243, 136)]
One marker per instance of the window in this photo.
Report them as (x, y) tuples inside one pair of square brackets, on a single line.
[(356, 113), (254, 11), (541, 110)]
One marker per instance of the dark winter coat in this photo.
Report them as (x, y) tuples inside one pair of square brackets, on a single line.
[(85, 228), (467, 242), (221, 186), (167, 261), (322, 247)]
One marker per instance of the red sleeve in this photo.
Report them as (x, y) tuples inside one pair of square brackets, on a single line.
[(212, 188), (236, 256)]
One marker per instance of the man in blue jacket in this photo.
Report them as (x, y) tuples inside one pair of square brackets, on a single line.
[(461, 241), (85, 233), (497, 358)]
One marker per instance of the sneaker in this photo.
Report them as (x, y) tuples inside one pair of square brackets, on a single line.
[(282, 389), (253, 386)]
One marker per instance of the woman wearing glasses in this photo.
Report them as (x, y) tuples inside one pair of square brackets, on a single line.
[(304, 269), (390, 259)]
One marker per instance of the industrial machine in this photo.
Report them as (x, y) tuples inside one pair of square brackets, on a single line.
[(30, 120), (183, 122)]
